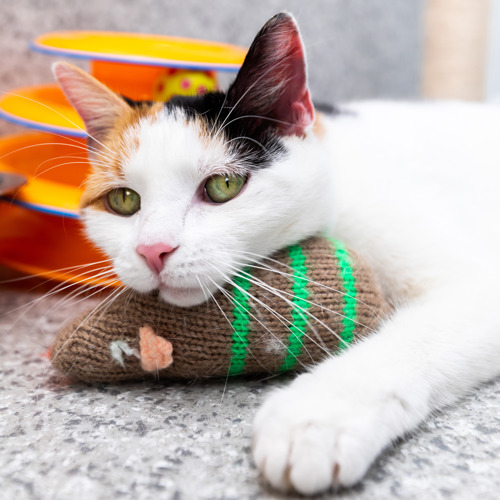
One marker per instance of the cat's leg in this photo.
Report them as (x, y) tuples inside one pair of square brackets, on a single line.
[(327, 427)]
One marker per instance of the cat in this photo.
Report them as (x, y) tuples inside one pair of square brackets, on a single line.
[(182, 193)]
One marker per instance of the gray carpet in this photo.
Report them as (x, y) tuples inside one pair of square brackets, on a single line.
[(192, 441)]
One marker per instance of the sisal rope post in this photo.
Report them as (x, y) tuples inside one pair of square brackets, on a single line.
[(455, 49)]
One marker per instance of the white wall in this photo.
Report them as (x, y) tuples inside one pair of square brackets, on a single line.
[(493, 68)]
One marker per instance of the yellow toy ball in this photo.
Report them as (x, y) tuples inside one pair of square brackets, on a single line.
[(184, 82)]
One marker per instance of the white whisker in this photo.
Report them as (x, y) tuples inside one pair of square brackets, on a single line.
[(61, 115), (278, 316), (266, 267), (248, 139)]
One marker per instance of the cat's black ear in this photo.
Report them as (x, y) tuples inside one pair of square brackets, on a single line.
[(98, 106), (273, 81)]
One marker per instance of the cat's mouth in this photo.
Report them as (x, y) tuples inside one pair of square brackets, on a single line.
[(181, 296)]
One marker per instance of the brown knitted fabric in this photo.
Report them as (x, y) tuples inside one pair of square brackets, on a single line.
[(293, 325)]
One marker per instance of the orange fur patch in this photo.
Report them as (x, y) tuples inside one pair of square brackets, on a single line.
[(120, 143)]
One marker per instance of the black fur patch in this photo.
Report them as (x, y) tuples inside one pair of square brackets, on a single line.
[(253, 139)]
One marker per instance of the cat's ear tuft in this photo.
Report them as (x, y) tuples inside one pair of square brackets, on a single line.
[(273, 79), (98, 106)]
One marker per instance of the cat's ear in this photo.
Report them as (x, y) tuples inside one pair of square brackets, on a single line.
[(98, 106), (273, 81)]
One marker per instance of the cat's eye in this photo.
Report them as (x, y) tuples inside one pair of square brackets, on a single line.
[(222, 188), (123, 201)]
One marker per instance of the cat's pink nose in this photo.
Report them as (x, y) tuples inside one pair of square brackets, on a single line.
[(155, 255)]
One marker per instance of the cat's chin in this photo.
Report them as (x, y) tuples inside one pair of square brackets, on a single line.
[(182, 297)]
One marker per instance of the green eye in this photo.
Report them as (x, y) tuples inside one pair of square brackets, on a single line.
[(123, 201), (222, 188)]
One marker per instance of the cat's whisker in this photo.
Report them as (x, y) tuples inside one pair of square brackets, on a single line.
[(239, 268), (66, 300), (69, 299), (284, 321), (218, 114), (217, 303), (258, 117), (250, 87), (238, 304), (59, 165), (62, 115), (83, 161), (104, 305), (62, 157), (279, 293), (204, 290), (80, 290), (61, 287), (104, 158), (265, 286), (106, 279), (315, 304), (211, 295), (266, 267), (248, 139), (62, 269), (31, 146)]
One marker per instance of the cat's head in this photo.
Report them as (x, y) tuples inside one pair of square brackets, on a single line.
[(182, 194)]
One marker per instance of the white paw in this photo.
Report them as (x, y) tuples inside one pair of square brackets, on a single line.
[(311, 438)]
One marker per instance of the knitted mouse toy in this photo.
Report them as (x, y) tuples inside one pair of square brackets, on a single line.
[(312, 299)]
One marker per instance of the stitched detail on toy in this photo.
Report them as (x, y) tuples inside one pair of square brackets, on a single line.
[(118, 348), (156, 352), (241, 323), (300, 306), (349, 282)]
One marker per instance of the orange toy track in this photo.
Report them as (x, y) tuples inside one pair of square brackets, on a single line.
[(41, 232)]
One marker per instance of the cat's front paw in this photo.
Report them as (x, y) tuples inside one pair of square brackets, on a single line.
[(310, 439)]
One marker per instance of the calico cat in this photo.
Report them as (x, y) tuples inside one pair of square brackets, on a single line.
[(183, 194)]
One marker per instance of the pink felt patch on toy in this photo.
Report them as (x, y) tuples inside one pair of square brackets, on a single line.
[(156, 352)]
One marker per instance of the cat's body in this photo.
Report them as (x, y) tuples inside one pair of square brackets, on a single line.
[(413, 188)]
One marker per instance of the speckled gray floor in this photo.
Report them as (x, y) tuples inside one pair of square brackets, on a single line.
[(176, 441)]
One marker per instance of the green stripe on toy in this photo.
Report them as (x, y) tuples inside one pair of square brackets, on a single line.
[(293, 319), (346, 272), (241, 323), (299, 311)]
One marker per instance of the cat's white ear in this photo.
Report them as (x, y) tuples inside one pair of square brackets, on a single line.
[(97, 105), (273, 79)]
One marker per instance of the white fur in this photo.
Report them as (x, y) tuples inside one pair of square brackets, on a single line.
[(415, 189), (417, 192)]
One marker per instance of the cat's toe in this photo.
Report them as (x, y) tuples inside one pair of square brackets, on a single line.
[(273, 461), (310, 463)]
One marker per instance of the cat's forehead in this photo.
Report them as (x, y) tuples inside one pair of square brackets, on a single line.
[(171, 143)]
